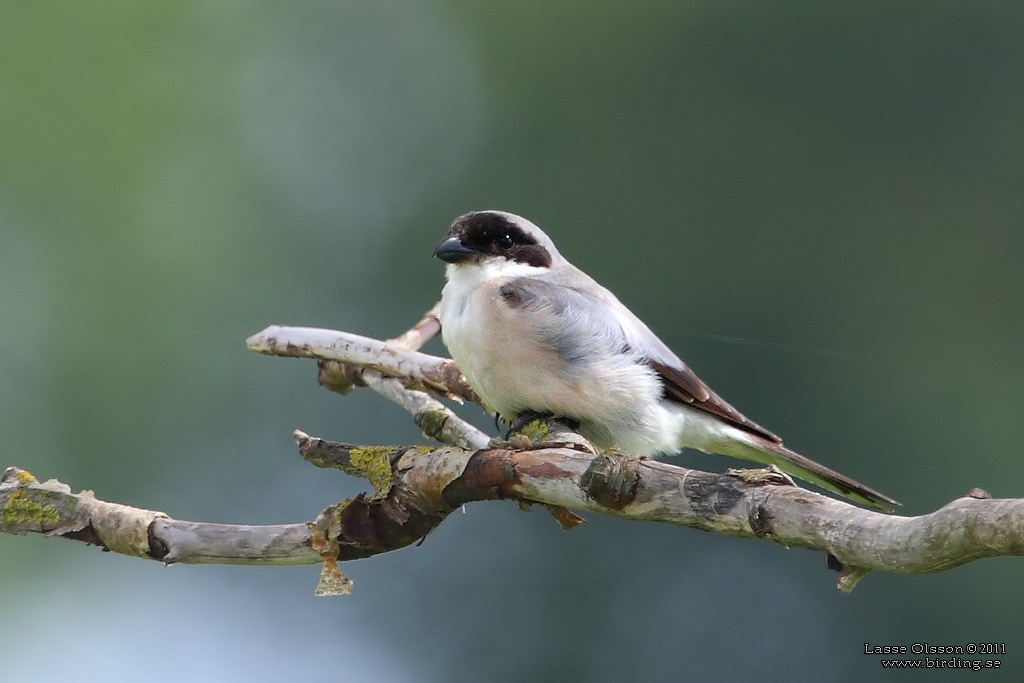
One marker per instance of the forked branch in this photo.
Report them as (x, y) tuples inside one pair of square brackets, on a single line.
[(416, 487)]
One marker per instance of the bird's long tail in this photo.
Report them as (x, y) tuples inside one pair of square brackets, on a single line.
[(753, 447)]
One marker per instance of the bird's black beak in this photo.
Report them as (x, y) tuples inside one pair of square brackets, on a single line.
[(453, 251)]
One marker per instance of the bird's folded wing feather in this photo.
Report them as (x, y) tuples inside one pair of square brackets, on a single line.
[(681, 384), (582, 321)]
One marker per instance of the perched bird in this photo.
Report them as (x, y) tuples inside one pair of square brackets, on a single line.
[(534, 334)]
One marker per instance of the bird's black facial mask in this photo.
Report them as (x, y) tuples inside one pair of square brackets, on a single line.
[(483, 234)]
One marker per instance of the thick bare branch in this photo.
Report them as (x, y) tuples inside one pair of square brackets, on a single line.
[(749, 503), (415, 488)]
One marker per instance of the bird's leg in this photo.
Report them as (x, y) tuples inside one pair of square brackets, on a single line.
[(553, 425), (526, 417)]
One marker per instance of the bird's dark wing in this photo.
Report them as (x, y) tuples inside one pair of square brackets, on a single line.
[(682, 385)]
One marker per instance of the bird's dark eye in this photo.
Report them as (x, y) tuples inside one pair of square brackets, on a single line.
[(505, 242)]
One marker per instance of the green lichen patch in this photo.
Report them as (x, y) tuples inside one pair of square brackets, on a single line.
[(374, 464), (21, 511), (536, 431), (432, 422)]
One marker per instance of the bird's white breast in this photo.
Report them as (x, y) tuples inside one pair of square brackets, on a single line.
[(616, 399), (492, 345)]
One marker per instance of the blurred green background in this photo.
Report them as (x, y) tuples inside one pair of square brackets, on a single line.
[(817, 204)]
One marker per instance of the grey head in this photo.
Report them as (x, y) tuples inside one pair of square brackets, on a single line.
[(482, 235)]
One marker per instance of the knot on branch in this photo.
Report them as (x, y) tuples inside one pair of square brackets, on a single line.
[(611, 479)]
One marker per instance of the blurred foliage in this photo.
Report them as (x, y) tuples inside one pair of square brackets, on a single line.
[(817, 204)]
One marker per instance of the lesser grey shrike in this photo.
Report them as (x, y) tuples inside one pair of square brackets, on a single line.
[(534, 334)]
